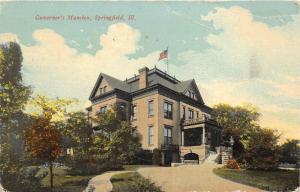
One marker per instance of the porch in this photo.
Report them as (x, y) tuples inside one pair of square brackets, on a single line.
[(198, 137)]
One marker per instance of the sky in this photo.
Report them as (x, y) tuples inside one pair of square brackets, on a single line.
[(237, 52)]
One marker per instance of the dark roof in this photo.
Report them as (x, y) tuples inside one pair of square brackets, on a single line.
[(155, 76)]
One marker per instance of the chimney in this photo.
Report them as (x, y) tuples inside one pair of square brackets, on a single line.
[(143, 81)]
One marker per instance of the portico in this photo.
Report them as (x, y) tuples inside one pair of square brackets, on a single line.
[(198, 136)]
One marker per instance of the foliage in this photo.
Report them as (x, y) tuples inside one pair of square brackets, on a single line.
[(133, 182), (13, 97), (117, 139), (43, 141), (290, 152), (43, 138), (24, 179), (156, 158), (78, 132), (262, 150), (236, 121), (143, 157), (232, 164)]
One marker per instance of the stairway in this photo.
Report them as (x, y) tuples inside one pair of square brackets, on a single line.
[(213, 157)]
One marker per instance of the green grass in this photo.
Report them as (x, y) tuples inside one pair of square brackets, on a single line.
[(123, 180), (64, 182), (132, 182), (280, 180)]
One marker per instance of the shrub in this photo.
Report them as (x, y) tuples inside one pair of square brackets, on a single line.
[(156, 157), (81, 164), (232, 164), (25, 179), (143, 157)]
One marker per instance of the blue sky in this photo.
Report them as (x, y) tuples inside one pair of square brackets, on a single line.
[(236, 51)]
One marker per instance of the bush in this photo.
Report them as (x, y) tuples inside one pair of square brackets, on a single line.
[(24, 180), (135, 183), (81, 164), (143, 157), (156, 157), (232, 164)]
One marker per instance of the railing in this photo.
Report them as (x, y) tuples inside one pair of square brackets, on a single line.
[(169, 147), (200, 119)]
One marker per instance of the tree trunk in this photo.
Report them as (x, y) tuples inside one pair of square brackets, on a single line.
[(51, 174)]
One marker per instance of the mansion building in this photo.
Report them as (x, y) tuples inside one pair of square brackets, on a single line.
[(169, 114)]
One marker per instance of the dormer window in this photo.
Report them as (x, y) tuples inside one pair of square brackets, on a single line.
[(104, 89), (189, 93)]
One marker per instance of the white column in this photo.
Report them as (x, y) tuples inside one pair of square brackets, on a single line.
[(203, 135), (182, 138)]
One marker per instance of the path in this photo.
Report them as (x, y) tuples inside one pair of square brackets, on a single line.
[(192, 178), (102, 183)]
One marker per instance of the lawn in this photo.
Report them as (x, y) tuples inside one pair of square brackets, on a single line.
[(132, 182), (281, 180), (63, 182)]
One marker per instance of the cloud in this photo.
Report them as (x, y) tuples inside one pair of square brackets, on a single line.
[(249, 61), (7, 37), (55, 68)]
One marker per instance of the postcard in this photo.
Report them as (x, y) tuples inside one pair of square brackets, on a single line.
[(149, 96)]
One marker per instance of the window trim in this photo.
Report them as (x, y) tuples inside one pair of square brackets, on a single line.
[(168, 114), (150, 135), (150, 114), (169, 137)]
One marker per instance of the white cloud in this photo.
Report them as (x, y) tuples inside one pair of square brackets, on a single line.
[(53, 67), (7, 37), (225, 67)]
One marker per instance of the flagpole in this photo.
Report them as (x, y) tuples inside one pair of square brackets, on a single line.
[(167, 60)]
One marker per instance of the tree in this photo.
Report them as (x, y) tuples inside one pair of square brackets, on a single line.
[(78, 132), (237, 121), (13, 97), (121, 141), (43, 139), (262, 149), (290, 151)]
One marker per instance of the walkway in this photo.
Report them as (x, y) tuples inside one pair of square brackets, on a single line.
[(101, 183), (192, 178)]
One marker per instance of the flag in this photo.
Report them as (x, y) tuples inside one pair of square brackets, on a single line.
[(163, 55)]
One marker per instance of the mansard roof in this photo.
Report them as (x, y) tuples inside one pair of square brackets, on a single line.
[(155, 77)]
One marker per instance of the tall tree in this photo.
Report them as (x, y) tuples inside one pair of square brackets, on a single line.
[(13, 97), (237, 122)]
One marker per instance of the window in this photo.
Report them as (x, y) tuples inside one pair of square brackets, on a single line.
[(150, 135), (191, 114), (103, 109), (189, 93), (197, 114), (134, 110), (193, 95), (167, 135), (104, 89), (168, 110), (101, 90), (150, 108)]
